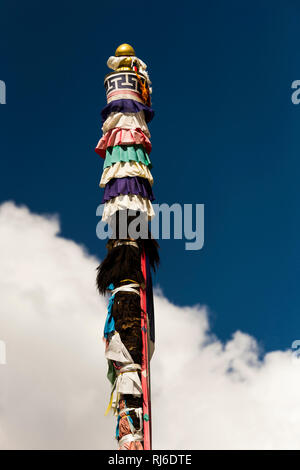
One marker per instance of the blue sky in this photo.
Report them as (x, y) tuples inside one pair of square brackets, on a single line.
[(225, 134)]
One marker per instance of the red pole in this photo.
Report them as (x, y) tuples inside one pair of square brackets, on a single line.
[(145, 373)]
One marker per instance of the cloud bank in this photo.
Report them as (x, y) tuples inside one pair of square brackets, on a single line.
[(54, 391)]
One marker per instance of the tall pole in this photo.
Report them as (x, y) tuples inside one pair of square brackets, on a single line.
[(132, 253)]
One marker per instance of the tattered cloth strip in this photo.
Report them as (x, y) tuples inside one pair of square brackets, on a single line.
[(127, 380), (118, 136), (135, 413), (144, 88), (124, 153), (127, 106), (128, 185), (117, 352), (126, 121), (122, 370), (126, 424), (114, 63), (131, 441), (122, 169), (127, 201)]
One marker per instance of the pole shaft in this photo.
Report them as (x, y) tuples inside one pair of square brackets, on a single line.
[(145, 373)]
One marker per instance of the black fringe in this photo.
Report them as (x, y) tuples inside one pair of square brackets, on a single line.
[(122, 262)]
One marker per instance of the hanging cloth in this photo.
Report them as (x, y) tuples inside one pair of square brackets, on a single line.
[(127, 380), (122, 169), (127, 106), (128, 185), (119, 136), (126, 121), (127, 201), (123, 153)]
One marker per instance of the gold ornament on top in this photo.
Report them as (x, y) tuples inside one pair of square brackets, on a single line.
[(126, 51)]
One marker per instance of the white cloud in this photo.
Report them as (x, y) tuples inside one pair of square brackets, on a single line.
[(54, 391)]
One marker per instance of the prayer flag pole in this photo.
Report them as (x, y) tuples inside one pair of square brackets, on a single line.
[(132, 252)]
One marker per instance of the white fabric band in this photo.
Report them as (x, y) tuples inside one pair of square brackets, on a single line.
[(138, 436), (127, 381), (126, 242), (124, 96), (123, 169), (126, 288), (126, 121), (127, 201)]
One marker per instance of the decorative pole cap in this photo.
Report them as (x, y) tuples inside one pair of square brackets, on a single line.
[(124, 50)]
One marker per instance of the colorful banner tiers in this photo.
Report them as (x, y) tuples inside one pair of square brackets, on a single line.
[(125, 153), (127, 106), (122, 169), (119, 136), (127, 201), (128, 185)]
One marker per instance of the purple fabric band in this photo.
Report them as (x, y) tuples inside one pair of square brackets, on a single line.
[(127, 106), (128, 185)]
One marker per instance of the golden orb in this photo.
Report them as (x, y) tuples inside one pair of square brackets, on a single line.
[(124, 50)]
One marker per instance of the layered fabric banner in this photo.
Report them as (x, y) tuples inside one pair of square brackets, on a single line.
[(122, 169), (126, 121), (123, 153), (128, 201), (119, 136), (128, 185), (127, 106)]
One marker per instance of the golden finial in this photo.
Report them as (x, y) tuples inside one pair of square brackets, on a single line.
[(125, 50)]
